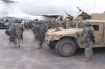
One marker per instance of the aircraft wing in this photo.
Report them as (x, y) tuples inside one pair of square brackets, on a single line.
[(13, 11), (7, 0), (51, 15)]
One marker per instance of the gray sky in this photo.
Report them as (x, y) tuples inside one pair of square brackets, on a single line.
[(37, 7)]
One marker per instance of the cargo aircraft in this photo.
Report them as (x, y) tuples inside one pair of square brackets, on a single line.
[(14, 12)]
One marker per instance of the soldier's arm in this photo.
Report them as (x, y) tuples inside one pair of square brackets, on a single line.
[(92, 31), (85, 33)]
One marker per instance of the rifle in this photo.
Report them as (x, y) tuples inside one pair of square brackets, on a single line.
[(92, 38), (70, 17), (22, 34), (84, 15), (67, 13), (79, 9)]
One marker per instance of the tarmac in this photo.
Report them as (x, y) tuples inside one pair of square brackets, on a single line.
[(29, 57)]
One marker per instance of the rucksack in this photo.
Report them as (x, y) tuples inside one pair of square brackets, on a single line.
[(7, 32), (11, 39), (12, 31)]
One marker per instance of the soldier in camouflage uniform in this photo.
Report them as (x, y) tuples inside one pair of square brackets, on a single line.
[(64, 24), (18, 33), (11, 24), (1, 23), (87, 40), (46, 24), (41, 33), (34, 29)]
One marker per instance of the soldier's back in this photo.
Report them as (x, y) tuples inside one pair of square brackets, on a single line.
[(18, 27), (41, 29)]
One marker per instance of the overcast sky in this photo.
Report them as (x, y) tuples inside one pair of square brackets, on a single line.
[(37, 7)]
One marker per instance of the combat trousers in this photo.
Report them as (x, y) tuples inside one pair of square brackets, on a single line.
[(88, 48), (18, 38), (41, 40)]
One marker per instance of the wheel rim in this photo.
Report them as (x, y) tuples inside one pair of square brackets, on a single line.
[(66, 48)]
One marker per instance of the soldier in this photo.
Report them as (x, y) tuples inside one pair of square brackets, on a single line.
[(34, 29), (18, 33), (86, 38), (30, 24), (46, 25), (27, 24), (11, 24), (24, 24), (1, 23), (41, 33), (64, 24)]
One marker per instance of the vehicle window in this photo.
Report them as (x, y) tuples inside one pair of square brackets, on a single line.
[(73, 25), (81, 25), (96, 27)]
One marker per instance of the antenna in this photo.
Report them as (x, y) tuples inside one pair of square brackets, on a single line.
[(86, 7), (94, 6)]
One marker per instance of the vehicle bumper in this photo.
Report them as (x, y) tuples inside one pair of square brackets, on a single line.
[(47, 41)]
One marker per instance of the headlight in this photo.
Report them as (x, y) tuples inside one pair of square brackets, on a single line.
[(49, 36), (57, 36)]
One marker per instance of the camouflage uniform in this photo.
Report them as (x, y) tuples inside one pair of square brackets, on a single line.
[(30, 24), (34, 29), (25, 24), (46, 25), (1, 23), (64, 24), (41, 34), (10, 25), (88, 42), (18, 33)]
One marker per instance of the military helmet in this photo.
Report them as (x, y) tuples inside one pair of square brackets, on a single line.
[(88, 23), (41, 22), (18, 21)]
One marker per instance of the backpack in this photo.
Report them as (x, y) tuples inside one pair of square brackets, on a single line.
[(7, 32), (12, 31), (11, 39), (18, 27)]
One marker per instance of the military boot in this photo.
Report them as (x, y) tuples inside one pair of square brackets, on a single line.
[(87, 59), (40, 47), (90, 57), (18, 45), (15, 44)]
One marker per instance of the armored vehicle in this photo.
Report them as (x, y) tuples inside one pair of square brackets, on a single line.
[(66, 41)]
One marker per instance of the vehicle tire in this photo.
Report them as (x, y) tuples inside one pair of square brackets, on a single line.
[(52, 45), (65, 47)]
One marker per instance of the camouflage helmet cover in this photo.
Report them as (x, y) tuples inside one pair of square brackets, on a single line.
[(88, 23)]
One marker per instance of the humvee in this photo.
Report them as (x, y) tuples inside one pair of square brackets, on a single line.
[(67, 19), (66, 41)]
